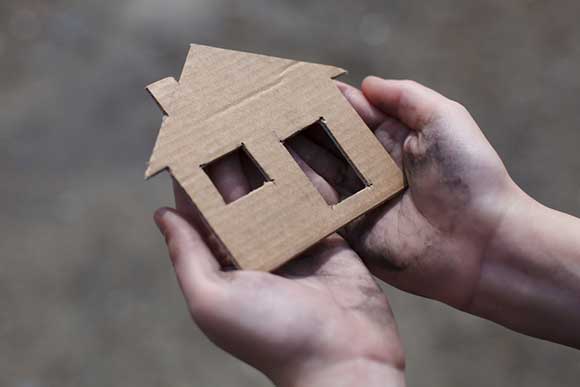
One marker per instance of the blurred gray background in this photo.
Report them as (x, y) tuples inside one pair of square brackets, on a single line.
[(87, 294)]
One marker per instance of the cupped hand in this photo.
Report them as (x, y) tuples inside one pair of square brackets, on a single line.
[(319, 320), (432, 238)]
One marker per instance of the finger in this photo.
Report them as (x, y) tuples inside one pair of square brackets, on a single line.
[(411, 103), (318, 158), (328, 193), (324, 163), (253, 176), (229, 178), (193, 262), (189, 210), (320, 136), (372, 116), (392, 134)]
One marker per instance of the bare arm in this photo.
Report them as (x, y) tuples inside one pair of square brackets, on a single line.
[(530, 276)]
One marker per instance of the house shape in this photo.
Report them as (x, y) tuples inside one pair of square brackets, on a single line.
[(227, 99)]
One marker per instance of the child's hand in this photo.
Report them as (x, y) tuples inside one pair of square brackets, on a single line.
[(320, 320), (463, 232), (431, 239)]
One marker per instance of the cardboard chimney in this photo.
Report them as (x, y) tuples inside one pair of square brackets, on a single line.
[(226, 101)]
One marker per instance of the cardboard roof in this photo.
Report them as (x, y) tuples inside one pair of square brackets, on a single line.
[(225, 99)]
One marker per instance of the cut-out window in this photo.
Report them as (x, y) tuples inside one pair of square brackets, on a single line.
[(315, 149), (235, 174)]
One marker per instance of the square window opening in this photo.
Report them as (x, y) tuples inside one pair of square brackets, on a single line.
[(235, 174), (315, 149)]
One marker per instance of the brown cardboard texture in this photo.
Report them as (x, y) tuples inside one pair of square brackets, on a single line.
[(226, 100)]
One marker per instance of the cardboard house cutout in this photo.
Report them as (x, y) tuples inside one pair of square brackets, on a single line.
[(226, 100)]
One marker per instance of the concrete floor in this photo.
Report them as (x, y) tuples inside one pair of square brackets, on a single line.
[(87, 295)]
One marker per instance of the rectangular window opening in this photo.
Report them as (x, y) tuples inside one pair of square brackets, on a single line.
[(314, 148), (235, 174)]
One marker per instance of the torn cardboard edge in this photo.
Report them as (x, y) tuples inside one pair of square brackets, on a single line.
[(225, 100)]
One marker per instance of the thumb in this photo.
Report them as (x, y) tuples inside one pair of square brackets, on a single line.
[(411, 103), (429, 116), (195, 265)]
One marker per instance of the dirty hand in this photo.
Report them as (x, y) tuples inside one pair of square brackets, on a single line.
[(431, 238), (320, 320), (462, 232)]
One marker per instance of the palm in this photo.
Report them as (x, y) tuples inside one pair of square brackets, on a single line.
[(315, 304)]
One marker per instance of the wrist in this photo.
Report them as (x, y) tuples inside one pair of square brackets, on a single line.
[(345, 373), (528, 276), (513, 232), (513, 207)]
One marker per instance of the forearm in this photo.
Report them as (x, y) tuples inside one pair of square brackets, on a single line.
[(358, 372), (530, 276)]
